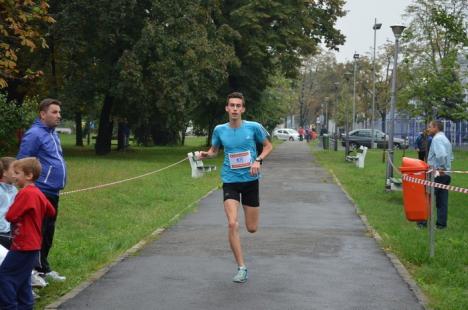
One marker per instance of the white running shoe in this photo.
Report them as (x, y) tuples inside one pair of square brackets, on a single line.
[(37, 280), (55, 276), (241, 275)]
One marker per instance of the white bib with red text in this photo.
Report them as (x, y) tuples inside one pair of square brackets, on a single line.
[(240, 160)]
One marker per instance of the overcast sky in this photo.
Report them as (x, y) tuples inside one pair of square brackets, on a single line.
[(357, 24)]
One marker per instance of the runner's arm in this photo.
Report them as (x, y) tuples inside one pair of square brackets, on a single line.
[(212, 152), (267, 148)]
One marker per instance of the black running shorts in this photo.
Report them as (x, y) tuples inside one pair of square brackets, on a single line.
[(244, 192)]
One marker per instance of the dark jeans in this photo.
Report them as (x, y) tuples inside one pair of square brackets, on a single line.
[(441, 196), (421, 155), (48, 231), (441, 199), (15, 280)]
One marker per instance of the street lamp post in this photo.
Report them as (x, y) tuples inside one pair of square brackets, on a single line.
[(375, 27), (346, 112), (326, 113), (397, 31), (356, 57)]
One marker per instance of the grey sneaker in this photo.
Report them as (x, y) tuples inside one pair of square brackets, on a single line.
[(37, 280), (55, 276), (241, 276)]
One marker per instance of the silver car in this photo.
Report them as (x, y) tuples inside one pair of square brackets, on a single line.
[(286, 134)]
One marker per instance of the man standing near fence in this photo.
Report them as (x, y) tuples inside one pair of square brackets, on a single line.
[(41, 141), (241, 171), (440, 158)]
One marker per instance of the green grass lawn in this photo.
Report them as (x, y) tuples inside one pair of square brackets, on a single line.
[(95, 227), (443, 278)]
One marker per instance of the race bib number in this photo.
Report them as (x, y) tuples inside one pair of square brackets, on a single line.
[(240, 160)]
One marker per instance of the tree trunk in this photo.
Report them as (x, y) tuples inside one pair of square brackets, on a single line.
[(103, 140), (53, 68), (79, 129), (121, 143), (383, 115), (163, 136)]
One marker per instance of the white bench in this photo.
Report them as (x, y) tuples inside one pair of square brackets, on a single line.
[(359, 158), (198, 168)]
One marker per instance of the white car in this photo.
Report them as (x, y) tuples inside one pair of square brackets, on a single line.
[(286, 134), (63, 130)]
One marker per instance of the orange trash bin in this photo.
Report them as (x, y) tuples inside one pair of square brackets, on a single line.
[(415, 200)]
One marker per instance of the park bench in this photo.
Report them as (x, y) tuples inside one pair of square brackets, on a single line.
[(359, 158), (198, 168)]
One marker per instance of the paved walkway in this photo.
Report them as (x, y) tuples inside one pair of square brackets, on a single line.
[(311, 252)]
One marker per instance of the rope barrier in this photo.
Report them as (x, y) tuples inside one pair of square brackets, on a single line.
[(434, 184), (122, 181), (409, 178), (429, 171)]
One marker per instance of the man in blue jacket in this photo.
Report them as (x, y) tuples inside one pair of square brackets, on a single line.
[(41, 141)]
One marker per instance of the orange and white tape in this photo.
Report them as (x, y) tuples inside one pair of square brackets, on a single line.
[(434, 184), (121, 181)]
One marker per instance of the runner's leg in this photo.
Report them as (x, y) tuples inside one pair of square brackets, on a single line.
[(251, 218), (230, 207)]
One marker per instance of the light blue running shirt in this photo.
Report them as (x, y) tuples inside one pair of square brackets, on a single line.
[(240, 150)]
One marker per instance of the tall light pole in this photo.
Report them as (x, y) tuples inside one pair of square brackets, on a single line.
[(335, 109), (346, 112), (397, 31), (356, 57), (375, 27), (325, 122)]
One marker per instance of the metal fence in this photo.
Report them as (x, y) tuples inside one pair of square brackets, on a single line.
[(410, 128)]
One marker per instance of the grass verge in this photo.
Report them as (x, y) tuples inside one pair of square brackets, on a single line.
[(444, 278)]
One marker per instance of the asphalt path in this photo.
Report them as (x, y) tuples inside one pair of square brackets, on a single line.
[(311, 251)]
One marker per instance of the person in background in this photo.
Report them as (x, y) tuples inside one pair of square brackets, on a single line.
[(26, 215), (7, 196), (423, 144), (440, 158), (301, 133), (41, 141)]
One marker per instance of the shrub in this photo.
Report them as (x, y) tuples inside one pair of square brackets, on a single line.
[(13, 119)]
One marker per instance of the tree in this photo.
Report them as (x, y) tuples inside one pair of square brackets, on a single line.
[(20, 25), (435, 37), (177, 66), (275, 35)]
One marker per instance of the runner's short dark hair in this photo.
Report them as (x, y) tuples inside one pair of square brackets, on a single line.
[(235, 94), (46, 103), (437, 123)]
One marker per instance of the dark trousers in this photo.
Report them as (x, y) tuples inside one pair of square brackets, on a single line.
[(48, 231), (422, 155), (441, 196), (15, 280), (5, 240)]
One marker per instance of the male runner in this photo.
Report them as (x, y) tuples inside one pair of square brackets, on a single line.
[(240, 173)]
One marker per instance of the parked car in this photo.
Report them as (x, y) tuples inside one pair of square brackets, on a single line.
[(286, 134), (360, 137), (63, 130)]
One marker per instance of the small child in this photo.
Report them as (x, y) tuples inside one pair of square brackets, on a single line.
[(7, 195), (26, 215)]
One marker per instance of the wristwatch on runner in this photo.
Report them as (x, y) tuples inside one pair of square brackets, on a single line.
[(259, 159)]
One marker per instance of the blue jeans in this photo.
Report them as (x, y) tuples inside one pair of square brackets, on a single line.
[(441, 196), (15, 280)]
